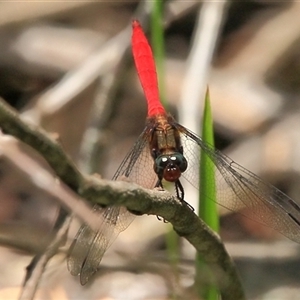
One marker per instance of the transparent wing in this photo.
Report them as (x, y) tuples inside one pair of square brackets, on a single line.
[(88, 246), (238, 188)]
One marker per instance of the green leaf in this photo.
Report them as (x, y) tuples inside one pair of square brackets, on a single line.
[(208, 210), (207, 204)]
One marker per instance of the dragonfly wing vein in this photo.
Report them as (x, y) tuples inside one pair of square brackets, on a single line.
[(239, 189), (88, 246)]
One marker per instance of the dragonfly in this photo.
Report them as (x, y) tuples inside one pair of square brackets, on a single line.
[(167, 152)]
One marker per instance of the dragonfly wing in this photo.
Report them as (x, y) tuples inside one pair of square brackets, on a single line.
[(138, 164), (237, 189), (101, 240), (78, 249), (85, 237), (88, 246)]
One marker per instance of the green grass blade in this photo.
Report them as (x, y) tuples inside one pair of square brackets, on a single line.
[(207, 186), (207, 203)]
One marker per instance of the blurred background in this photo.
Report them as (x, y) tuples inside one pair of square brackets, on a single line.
[(66, 66)]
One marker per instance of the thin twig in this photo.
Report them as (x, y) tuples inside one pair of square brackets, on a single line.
[(102, 109), (78, 79), (89, 146), (43, 143), (94, 138), (178, 8), (45, 181), (37, 267), (99, 63), (198, 64)]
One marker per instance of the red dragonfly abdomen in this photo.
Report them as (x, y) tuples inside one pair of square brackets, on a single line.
[(146, 70)]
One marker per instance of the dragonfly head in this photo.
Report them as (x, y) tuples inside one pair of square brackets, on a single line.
[(170, 167)]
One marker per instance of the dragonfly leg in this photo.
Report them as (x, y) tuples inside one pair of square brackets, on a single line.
[(179, 190), (180, 194), (160, 185)]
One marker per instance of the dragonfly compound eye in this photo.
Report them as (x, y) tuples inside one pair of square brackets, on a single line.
[(170, 167), (179, 160), (160, 164)]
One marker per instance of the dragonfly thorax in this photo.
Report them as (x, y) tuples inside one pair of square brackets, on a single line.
[(170, 166)]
